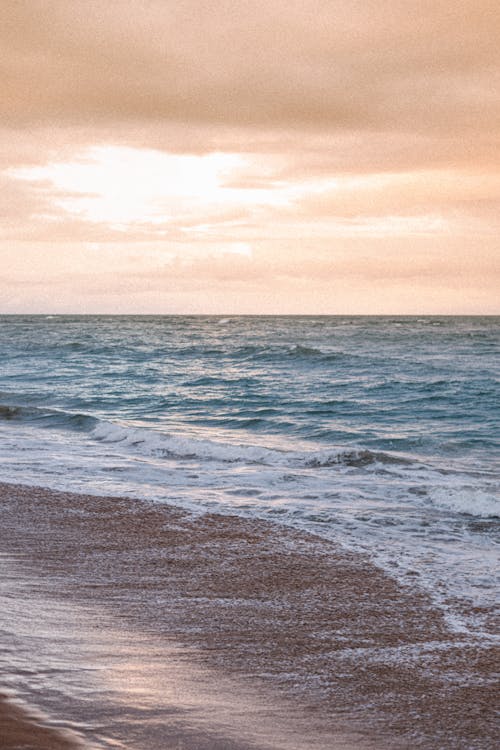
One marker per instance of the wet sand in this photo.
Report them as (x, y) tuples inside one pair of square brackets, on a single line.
[(220, 632), (19, 730)]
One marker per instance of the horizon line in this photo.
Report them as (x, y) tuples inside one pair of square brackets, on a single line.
[(245, 315)]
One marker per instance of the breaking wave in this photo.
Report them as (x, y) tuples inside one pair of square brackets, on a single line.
[(154, 442)]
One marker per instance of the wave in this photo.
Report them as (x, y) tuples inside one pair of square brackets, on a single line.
[(154, 444), (261, 353), (304, 351), (47, 417), (157, 444), (357, 458), (219, 380), (468, 501), (165, 445), (225, 348), (160, 444)]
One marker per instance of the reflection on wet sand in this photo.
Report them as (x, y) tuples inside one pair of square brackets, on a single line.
[(112, 687)]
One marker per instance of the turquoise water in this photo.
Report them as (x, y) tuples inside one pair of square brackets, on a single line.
[(380, 433)]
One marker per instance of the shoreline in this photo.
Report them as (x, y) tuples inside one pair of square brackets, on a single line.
[(300, 628)]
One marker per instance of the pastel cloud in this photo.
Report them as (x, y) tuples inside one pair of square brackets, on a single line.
[(340, 62), (237, 149)]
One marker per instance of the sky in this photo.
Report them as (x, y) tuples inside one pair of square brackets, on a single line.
[(259, 156)]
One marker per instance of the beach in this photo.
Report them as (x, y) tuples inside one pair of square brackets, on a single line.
[(138, 625), (20, 729), (249, 370)]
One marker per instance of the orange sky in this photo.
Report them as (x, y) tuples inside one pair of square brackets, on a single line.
[(264, 156)]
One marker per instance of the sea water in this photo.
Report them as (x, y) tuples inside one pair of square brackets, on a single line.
[(379, 433)]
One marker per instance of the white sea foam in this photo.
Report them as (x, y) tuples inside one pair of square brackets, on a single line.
[(467, 500), (156, 443)]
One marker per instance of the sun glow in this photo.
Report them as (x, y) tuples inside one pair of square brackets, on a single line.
[(121, 186)]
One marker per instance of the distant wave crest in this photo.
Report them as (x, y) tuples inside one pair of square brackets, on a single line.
[(47, 417)]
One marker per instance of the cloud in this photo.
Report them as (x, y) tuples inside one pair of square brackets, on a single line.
[(360, 139), (346, 278), (148, 191), (322, 64)]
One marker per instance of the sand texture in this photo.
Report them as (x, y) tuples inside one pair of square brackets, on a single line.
[(224, 632), (20, 730)]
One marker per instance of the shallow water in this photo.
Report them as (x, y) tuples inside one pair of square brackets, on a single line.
[(380, 433)]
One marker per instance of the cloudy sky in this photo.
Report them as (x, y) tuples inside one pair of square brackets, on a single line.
[(274, 156)]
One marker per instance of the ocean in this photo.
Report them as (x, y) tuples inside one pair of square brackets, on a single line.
[(378, 433)]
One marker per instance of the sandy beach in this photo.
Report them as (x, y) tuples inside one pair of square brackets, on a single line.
[(135, 625), (19, 729)]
